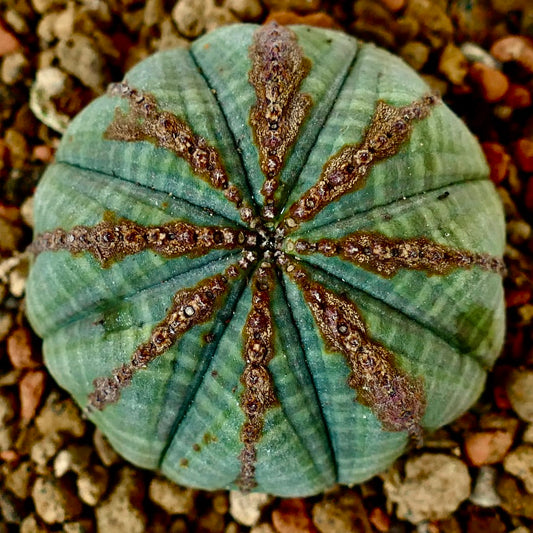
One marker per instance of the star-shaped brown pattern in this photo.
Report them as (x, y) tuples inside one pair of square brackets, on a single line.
[(278, 68)]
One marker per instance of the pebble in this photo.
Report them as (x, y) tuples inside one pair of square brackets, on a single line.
[(6, 323), (8, 42), (484, 493), (380, 519), (519, 387), (7, 408), (527, 436), (14, 67), (518, 96), (9, 508), (296, 5), (92, 483), (18, 481), (171, 497), (17, 146), (30, 525), (394, 5), (20, 351), (453, 64), (31, 389), (247, 10), (46, 448), (514, 48), (434, 486), (59, 415), (514, 500), (105, 452), (344, 513), (122, 510), (81, 526), (42, 6), (492, 83), (189, 17), (74, 457), (435, 24), (475, 54), (220, 502), (523, 150), (54, 501), (262, 528), (487, 447), (63, 25), (292, 516), (247, 508), (7, 434), (520, 463), (319, 20), (16, 21), (79, 56), (415, 54), (498, 160)]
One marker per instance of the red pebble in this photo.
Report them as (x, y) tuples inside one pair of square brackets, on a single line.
[(498, 160), (518, 96), (523, 151), (492, 83), (517, 297), (380, 519), (8, 42), (292, 516), (19, 349), (31, 389)]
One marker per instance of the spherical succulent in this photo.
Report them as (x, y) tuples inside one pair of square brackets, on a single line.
[(268, 262)]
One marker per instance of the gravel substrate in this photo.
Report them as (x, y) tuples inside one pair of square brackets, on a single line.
[(57, 473)]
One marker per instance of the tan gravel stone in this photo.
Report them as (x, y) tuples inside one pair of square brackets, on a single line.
[(59, 415), (514, 500), (122, 510), (520, 463), (189, 17), (92, 484), (341, 514), (415, 54), (14, 67), (31, 525), (171, 497), (54, 501), (79, 56), (453, 64), (247, 10), (6, 323), (74, 458), (7, 408), (262, 528), (44, 449), (18, 480), (247, 508), (520, 393), (434, 486)]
